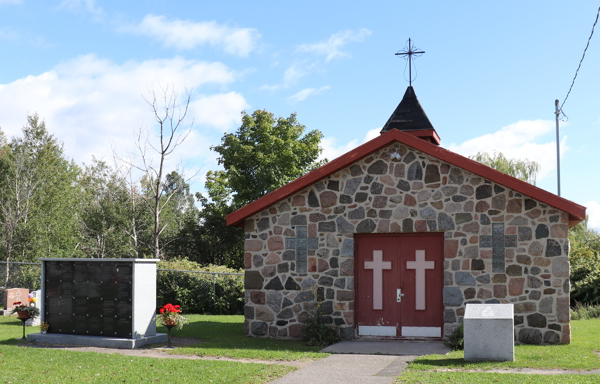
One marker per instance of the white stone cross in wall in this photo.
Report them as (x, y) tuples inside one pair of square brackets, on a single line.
[(420, 265), (378, 265)]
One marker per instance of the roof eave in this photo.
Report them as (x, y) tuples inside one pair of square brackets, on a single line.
[(576, 212)]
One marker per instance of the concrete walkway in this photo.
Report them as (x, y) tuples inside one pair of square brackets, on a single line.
[(376, 362)]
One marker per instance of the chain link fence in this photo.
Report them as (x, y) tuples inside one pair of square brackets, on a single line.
[(201, 292)]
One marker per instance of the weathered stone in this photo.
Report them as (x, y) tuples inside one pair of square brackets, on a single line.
[(376, 188), (515, 286), (530, 204), (333, 185), (499, 202), (483, 279), (470, 293), (456, 176), (427, 213), (453, 207), (327, 226), (519, 220), (483, 192), (484, 219), (533, 282), (560, 267), (366, 226), (536, 320), (450, 248), (551, 337), (534, 295), (562, 309), (452, 297), (484, 293), (328, 199), (499, 278), (519, 320), (514, 270), (263, 314), (464, 278), (482, 206), (313, 201), (415, 171), (263, 224), (553, 248), (275, 243), (471, 227), (352, 185), (274, 284), (478, 265), (361, 197), (445, 222), (449, 316), (316, 217), (514, 206), (379, 167), (432, 174), (471, 252), (546, 304), (500, 291), (524, 307), (409, 158), (403, 185), (463, 218), (448, 190), (524, 259), (299, 220), (289, 255), (257, 261), (287, 313), (530, 336), (347, 268), (356, 170), (410, 201), (253, 245), (253, 280), (357, 214), (347, 247), (407, 225), (344, 295), (291, 285), (535, 249)]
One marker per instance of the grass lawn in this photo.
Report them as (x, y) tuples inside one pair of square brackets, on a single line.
[(224, 336), (20, 364), (580, 355)]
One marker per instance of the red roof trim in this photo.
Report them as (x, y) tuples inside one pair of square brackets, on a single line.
[(428, 133), (576, 212)]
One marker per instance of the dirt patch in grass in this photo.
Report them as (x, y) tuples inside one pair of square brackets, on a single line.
[(159, 351)]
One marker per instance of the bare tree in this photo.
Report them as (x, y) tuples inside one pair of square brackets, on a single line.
[(151, 156)]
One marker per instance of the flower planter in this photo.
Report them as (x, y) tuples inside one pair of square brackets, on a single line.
[(23, 315)]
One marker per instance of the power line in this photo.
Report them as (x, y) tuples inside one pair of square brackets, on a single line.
[(580, 61)]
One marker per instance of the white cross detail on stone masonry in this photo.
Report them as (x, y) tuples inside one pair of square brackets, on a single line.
[(420, 265), (378, 265)]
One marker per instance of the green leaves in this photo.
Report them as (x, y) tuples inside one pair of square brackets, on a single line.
[(521, 169)]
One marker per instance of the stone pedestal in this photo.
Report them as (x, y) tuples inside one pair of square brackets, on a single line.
[(488, 330)]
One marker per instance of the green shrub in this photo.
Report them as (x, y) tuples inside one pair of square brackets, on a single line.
[(585, 275), (456, 340), (198, 292), (318, 330), (585, 312)]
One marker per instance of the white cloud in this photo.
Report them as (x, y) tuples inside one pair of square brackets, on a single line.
[(92, 104), (290, 77), (331, 150), (517, 141), (303, 94), (593, 212), (221, 111), (185, 34), (332, 47), (88, 6)]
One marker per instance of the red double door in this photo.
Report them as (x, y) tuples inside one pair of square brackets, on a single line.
[(399, 285)]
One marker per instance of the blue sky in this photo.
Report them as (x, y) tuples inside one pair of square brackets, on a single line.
[(488, 79)]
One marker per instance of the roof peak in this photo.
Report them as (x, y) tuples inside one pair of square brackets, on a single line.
[(410, 117)]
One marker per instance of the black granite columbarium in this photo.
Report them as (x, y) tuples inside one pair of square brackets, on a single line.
[(109, 298)]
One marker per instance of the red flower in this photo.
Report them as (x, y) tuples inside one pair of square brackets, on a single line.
[(162, 310)]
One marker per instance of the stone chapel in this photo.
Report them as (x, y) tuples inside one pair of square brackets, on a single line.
[(395, 237)]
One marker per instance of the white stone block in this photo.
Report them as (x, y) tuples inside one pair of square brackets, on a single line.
[(38, 297), (488, 330)]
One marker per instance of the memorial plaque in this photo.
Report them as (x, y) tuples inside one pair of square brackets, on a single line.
[(89, 298)]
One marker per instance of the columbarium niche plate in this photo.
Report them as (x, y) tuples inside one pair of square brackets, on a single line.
[(89, 298)]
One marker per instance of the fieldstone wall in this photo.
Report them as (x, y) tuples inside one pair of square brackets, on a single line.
[(499, 247)]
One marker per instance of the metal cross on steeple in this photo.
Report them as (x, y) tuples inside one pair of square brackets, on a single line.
[(408, 53)]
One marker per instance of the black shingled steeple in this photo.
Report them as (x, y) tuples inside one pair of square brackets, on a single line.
[(410, 116)]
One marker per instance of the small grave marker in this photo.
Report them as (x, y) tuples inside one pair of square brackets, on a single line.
[(488, 331), (12, 296)]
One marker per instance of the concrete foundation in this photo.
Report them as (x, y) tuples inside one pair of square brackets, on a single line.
[(96, 341)]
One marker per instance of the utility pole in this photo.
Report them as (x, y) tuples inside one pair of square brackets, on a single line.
[(557, 113)]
